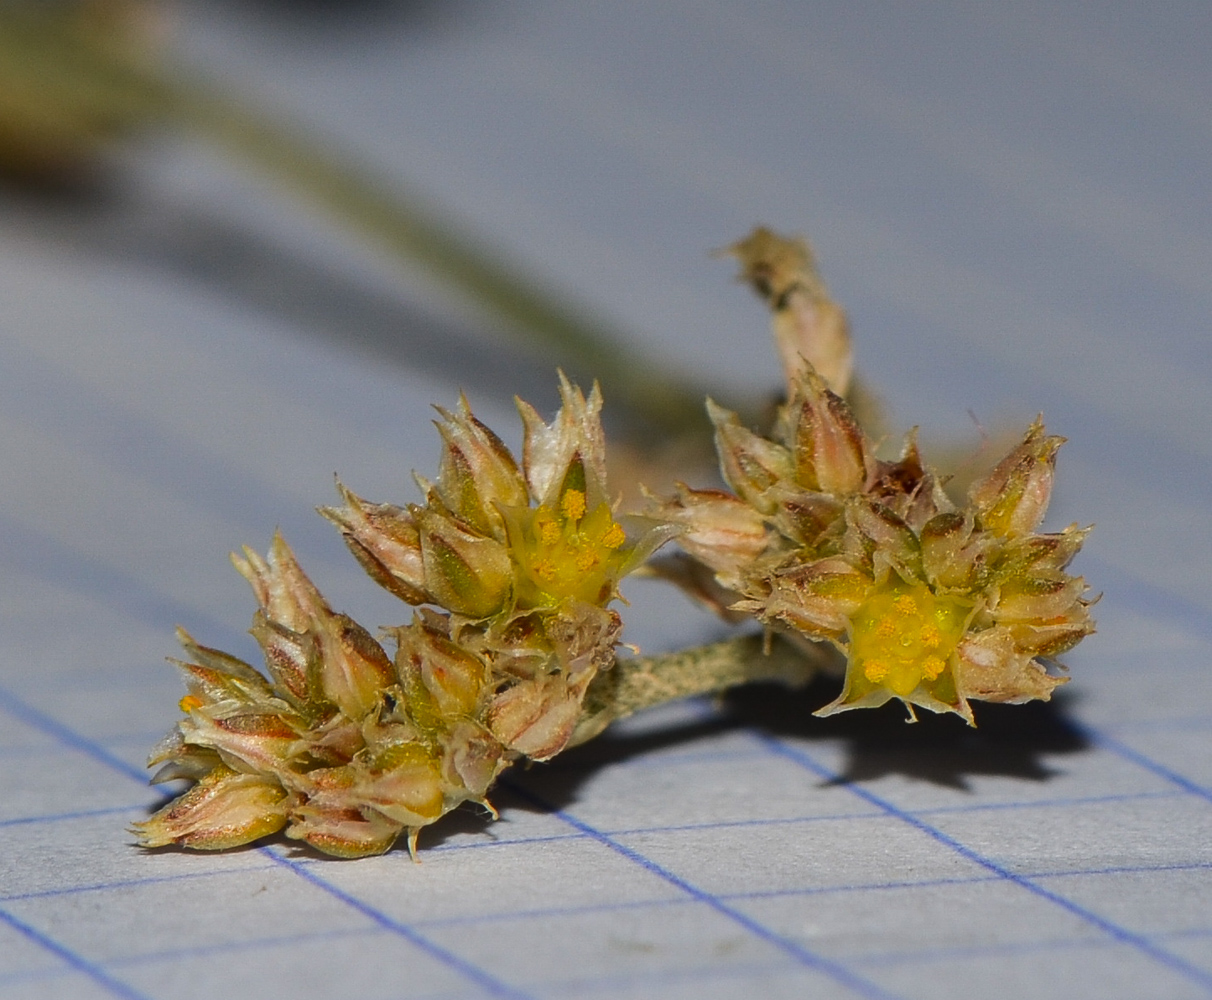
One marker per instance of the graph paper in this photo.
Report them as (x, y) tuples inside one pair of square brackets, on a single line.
[(1012, 201)]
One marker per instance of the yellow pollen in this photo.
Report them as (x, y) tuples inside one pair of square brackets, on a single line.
[(586, 560), (614, 537), (875, 670), (572, 504), (545, 570), (549, 530), (901, 639), (189, 703)]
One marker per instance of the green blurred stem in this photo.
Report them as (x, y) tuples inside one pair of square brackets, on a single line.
[(73, 83)]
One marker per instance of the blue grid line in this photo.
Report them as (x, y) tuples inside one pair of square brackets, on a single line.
[(1141, 760), (926, 956), (247, 944), (62, 817), (835, 970), (81, 964), (1121, 934), (491, 984), (29, 551), (875, 958), (664, 977), (67, 736), (1177, 724), (130, 883)]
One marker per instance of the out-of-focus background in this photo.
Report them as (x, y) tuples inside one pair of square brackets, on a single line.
[(1011, 200)]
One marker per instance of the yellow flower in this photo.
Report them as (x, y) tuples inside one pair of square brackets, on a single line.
[(347, 747), (931, 604)]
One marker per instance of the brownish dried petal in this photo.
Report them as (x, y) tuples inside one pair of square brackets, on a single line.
[(466, 573), (536, 718), (250, 741), (750, 464), (477, 471), (809, 327), (1014, 497), (721, 530), (224, 809), (830, 450), (385, 541), (991, 667)]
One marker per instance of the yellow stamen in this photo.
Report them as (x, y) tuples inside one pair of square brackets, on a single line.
[(902, 637), (189, 703), (875, 670), (572, 504), (549, 530), (614, 537)]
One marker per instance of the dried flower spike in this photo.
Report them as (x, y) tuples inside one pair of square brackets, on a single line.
[(931, 604), (810, 329), (347, 747)]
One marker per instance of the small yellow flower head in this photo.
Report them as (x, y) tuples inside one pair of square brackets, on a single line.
[(932, 605), (346, 747)]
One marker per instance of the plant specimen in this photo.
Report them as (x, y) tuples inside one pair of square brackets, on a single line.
[(350, 741)]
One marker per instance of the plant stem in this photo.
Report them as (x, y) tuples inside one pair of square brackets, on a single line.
[(75, 82), (646, 681)]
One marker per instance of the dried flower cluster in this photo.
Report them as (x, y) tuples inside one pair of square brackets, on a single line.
[(512, 569), (932, 604), (346, 747)]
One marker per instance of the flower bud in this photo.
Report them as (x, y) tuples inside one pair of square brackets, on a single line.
[(385, 540), (224, 809), (750, 464), (454, 678), (829, 448), (537, 717), (353, 668), (893, 544), (281, 586), (574, 438), (477, 472), (1037, 599), (467, 573), (721, 531), (952, 552), (1014, 497)]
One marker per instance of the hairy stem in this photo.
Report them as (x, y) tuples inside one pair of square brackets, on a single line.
[(646, 681)]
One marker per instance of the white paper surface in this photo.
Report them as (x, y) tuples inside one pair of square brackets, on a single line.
[(1011, 200)]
